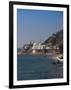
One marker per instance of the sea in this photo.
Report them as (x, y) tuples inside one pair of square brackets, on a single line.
[(35, 67)]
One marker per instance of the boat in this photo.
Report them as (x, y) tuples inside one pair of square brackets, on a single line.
[(58, 60), (61, 60)]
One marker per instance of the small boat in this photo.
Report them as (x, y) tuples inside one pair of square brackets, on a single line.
[(60, 59)]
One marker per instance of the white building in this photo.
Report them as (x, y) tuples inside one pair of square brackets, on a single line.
[(37, 47)]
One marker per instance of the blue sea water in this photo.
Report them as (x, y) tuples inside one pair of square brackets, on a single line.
[(31, 67)]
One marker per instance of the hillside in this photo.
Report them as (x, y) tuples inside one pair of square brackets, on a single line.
[(56, 39)]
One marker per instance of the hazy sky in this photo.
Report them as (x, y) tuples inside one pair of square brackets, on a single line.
[(37, 25)]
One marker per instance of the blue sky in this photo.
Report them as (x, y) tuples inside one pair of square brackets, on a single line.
[(37, 25)]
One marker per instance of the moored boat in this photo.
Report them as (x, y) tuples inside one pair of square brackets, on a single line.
[(60, 58)]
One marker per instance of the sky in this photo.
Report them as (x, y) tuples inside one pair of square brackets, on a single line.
[(37, 25)]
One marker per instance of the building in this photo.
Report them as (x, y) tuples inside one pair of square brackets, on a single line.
[(39, 48)]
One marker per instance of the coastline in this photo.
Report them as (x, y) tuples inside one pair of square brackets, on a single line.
[(53, 56)]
